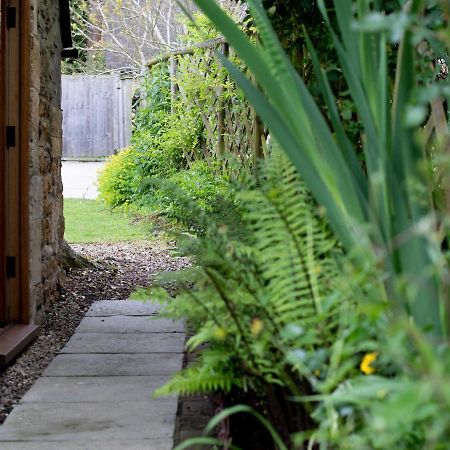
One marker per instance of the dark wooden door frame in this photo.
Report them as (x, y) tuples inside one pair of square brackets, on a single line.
[(3, 315), (21, 67), (25, 68)]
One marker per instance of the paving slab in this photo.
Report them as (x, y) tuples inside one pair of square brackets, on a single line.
[(106, 308), (76, 365), (71, 421), (97, 393), (147, 444), (97, 389), (125, 343), (129, 324)]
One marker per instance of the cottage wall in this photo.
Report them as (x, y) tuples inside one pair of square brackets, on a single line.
[(46, 203)]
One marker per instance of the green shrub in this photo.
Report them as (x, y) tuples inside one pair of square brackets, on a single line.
[(154, 99), (118, 180), (154, 158), (202, 182)]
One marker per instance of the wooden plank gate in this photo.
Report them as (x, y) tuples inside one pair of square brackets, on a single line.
[(96, 115)]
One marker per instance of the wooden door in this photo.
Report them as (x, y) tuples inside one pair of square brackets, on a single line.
[(14, 163)]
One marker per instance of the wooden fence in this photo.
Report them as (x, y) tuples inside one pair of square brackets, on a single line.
[(96, 115), (230, 126)]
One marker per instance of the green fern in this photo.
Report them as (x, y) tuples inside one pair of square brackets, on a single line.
[(251, 287), (293, 244), (213, 372)]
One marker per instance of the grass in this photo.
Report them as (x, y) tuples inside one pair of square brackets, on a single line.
[(91, 221)]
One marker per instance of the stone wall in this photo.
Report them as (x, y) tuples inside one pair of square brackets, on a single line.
[(46, 204)]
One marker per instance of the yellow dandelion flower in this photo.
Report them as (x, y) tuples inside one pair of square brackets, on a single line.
[(220, 333), (366, 363), (256, 326), (382, 393)]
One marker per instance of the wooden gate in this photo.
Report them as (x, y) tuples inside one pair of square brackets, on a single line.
[(96, 115)]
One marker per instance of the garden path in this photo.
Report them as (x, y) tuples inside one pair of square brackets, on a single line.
[(96, 394), (80, 179)]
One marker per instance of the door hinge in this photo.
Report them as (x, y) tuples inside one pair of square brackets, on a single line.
[(11, 17), (10, 136), (10, 267)]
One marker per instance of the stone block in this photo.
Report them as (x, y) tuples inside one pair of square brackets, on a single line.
[(36, 198), (56, 121), (35, 257), (56, 147), (35, 63)]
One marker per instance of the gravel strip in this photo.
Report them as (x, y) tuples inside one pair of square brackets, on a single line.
[(119, 269)]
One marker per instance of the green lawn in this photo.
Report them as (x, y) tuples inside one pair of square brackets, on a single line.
[(91, 221)]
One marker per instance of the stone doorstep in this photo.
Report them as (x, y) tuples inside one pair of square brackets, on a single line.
[(13, 339)]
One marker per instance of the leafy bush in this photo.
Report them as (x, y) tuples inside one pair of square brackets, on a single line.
[(402, 402), (117, 181), (162, 143), (202, 181), (153, 100), (169, 139)]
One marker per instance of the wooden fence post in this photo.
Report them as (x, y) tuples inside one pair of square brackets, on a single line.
[(173, 83), (257, 133), (224, 50), (258, 130)]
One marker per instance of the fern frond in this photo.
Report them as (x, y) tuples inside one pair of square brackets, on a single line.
[(293, 244), (213, 372)]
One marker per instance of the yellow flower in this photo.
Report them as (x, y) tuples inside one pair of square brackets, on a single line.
[(366, 363), (256, 326), (220, 333)]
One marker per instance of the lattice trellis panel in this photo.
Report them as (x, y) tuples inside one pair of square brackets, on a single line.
[(229, 125)]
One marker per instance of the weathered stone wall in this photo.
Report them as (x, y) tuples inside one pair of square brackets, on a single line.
[(46, 204)]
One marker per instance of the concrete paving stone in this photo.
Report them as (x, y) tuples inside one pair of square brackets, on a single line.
[(97, 389), (105, 308), (80, 179), (97, 394), (125, 343), (147, 444), (98, 421), (129, 324), (114, 365)]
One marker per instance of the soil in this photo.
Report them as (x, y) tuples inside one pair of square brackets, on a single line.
[(119, 268)]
